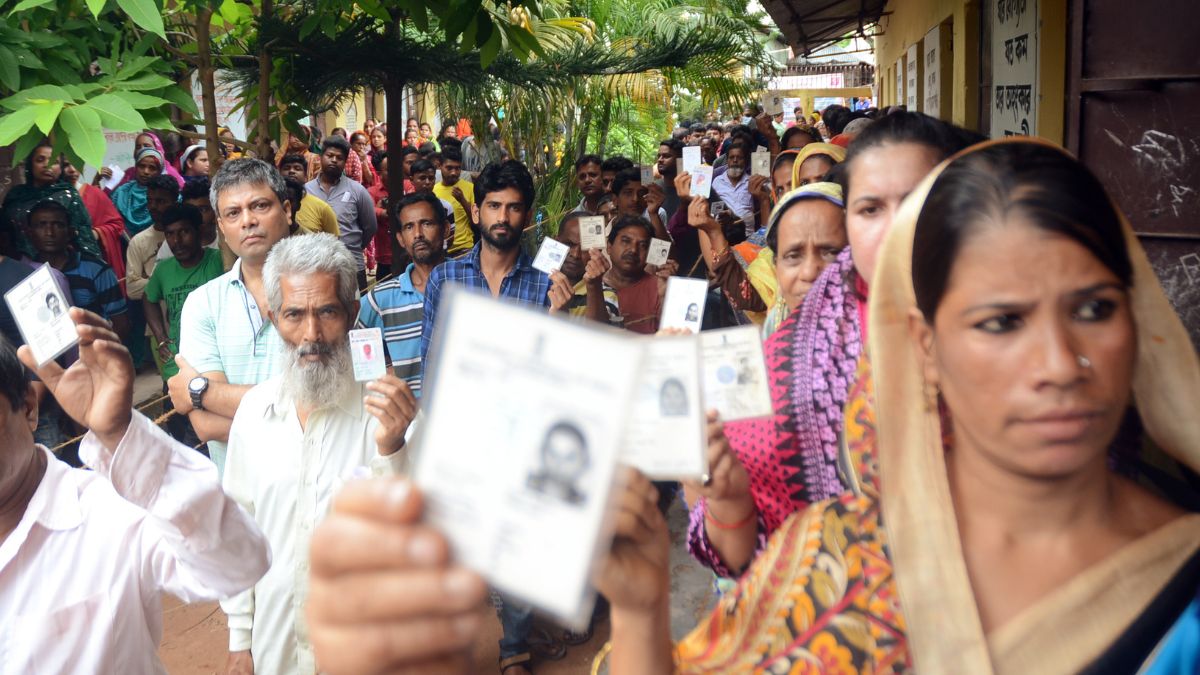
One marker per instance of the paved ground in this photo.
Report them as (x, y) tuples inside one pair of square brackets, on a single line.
[(194, 636)]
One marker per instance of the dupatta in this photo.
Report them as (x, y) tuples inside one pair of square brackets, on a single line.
[(1087, 614), (169, 168)]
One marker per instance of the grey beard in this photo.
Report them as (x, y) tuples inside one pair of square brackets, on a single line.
[(735, 174), (317, 384)]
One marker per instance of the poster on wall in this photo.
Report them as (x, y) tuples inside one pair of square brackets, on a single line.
[(227, 99), (931, 101), (899, 100), (1014, 39), (912, 78)]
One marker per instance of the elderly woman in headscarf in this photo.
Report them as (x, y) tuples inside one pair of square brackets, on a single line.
[(130, 198), (148, 139), (43, 181)]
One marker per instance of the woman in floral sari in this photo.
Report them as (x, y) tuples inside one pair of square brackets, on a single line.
[(766, 469), (1014, 306)]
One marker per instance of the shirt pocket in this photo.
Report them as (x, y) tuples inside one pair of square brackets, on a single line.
[(74, 638)]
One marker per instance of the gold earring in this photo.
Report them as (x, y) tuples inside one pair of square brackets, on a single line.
[(930, 394)]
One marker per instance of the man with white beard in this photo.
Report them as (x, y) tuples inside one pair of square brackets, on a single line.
[(733, 186), (298, 437)]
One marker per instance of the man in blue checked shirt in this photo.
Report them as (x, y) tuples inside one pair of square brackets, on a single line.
[(497, 265), (397, 306)]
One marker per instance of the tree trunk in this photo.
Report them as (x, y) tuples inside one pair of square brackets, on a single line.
[(208, 89), (605, 122), (393, 92), (263, 124)]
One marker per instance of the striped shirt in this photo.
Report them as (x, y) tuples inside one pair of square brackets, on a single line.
[(397, 307), (221, 329), (577, 305), (523, 283), (93, 285)]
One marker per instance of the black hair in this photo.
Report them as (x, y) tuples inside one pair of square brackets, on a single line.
[(377, 160), (187, 159), (504, 175), (713, 126), (407, 150), (801, 131), (1055, 192), (623, 222), (588, 159), (836, 117), (616, 163), (451, 144), (421, 165), (943, 138), (674, 144), (427, 148), (452, 155), (49, 205), (439, 209), (44, 143), (185, 213), (293, 159), (366, 137), (14, 378), (696, 128), (436, 157), (574, 215), (163, 182), (625, 177), (197, 188), (336, 142)]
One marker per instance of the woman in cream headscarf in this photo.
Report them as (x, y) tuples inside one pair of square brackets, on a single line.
[(1029, 320)]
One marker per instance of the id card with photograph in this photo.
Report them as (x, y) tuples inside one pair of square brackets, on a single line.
[(760, 164), (551, 255), (521, 491), (39, 308), (665, 438), (691, 158), (772, 105), (367, 355), (735, 373), (702, 181), (660, 250), (683, 305), (647, 174), (591, 233)]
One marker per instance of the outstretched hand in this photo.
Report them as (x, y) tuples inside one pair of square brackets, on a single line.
[(97, 390), (634, 576)]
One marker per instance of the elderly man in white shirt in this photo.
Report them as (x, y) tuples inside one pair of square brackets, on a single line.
[(85, 556), (298, 437)]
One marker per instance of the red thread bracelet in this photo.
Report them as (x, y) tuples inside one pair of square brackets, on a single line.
[(751, 517)]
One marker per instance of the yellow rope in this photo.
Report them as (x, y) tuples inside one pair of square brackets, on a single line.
[(159, 421)]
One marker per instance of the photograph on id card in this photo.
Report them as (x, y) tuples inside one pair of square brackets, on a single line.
[(683, 304), (39, 309), (660, 250), (521, 491), (591, 233), (760, 164), (551, 255), (647, 174), (735, 373), (367, 355), (665, 438)]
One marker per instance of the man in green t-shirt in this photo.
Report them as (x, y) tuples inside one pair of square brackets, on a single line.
[(193, 266)]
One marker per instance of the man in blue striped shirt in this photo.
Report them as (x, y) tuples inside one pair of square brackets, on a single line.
[(398, 305)]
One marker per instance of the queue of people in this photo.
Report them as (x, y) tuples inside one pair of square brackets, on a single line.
[(954, 332)]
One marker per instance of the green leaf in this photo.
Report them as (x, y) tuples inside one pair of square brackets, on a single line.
[(27, 59), (26, 145), (490, 49), (182, 98), (134, 66), (47, 92), (116, 113), (82, 126), (141, 101), (17, 124), (309, 25), (10, 76), (156, 118), (47, 115), (96, 6), (146, 14), (28, 4), (148, 81)]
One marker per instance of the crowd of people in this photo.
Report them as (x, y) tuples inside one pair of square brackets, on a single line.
[(955, 331)]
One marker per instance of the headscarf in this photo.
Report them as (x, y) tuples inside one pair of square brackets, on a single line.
[(187, 155), (131, 172), (130, 198), (834, 152), (22, 198), (1089, 613)]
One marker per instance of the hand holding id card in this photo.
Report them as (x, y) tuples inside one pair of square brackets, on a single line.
[(551, 255), (367, 355), (683, 305), (735, 373), (659, 251), (591, 233), (760, 164), (702, 181), (521, 489), (39, 308)]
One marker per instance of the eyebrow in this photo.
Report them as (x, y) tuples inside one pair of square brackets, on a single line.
[(1024, 306)]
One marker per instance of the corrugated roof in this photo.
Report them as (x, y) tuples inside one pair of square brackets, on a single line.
[(810, 25)]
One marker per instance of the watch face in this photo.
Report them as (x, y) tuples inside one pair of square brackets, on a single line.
[(196, 384)]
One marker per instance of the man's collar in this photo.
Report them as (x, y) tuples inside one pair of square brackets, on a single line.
[(53, 506), (235, 273)]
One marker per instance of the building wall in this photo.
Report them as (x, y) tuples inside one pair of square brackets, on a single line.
[(909, 22)]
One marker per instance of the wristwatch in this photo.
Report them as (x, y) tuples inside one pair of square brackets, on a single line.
[(196, 388)]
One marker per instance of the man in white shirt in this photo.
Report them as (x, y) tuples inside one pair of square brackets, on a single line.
[(85, 556), (298, 437)]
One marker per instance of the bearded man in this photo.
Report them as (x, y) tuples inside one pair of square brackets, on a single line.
[(298, 437)]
